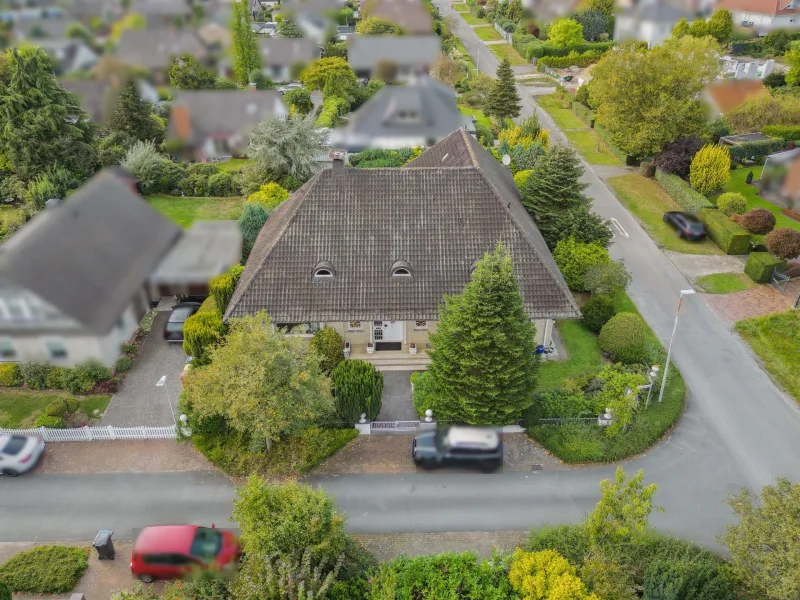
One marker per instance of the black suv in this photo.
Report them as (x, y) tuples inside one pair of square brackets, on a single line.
[(459, 446)]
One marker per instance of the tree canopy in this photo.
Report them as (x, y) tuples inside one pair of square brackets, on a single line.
[(503, 101), (374, 26), (317, 74), (287, 146), (132, 116), (565, 32), (185, 73)]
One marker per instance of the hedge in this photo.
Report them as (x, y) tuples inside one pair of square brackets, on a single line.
[(45, 569), (222, 287), (550, 50), (760, 265), (726, 234), (629, 160), (562, 62), (785, 132), (201, 331), (683, 194), (585, 113), (756, 150), (357, 388), (77, 380), (9, 374)]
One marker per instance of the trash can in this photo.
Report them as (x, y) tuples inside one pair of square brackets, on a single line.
[(104, 545)]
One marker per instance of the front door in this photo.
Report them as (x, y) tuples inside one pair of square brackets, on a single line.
[(388, 335)]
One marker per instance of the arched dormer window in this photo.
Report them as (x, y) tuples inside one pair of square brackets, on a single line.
[(324, 270), (401, 268)]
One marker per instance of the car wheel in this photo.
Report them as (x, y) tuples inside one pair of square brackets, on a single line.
[(146, 578), (10, 472)]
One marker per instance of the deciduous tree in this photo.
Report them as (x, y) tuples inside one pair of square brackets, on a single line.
[(317, 74), (503, 101), (244, 44), (764, 109), (287, 146), (792, 59), (482, 366), (594, 23), (446, 70), (185, 73), (374, 26), (289, 29), (565, 32)]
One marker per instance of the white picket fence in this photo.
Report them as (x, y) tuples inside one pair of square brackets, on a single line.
[(88, 434)]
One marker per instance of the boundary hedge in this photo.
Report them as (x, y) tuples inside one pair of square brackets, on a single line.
[(785, 132), (629, 160), (726, 234), (585, 113), (555, 51), (760, 265), (562, 62), (756, 150), (680, 191)]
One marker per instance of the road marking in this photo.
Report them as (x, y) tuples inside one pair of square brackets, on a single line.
[(619, 228)]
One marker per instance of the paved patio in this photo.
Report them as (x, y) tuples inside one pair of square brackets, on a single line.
[(755, 302)]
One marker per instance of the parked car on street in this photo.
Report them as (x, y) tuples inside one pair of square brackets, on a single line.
[(173, 328), (19, 453), (288, 87), (458, 446), (172, 551), (687, 225)]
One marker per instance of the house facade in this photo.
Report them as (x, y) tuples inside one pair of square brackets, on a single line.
[(649, 21), (763, 15), (372, 252), (283, 58)]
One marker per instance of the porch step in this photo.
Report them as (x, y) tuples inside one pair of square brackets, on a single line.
[(396, 363)]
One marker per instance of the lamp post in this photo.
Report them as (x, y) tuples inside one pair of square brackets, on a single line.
[(672, 339), (163, 383)]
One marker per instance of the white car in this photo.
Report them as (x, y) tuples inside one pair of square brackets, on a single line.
[(19, 453), (288, 87)]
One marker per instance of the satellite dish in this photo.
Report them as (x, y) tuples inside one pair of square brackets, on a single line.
[(506, 159)]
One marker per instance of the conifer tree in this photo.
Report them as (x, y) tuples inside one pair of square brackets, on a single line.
[(503, 101), (251, 221), (131, 115), (245, 46), (483, 370)]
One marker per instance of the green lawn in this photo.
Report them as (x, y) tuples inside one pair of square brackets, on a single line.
[(19, 408), (776, 340), (233, 164), (737, 184), (488, 34), (465, 56), (502, 51), (724, 283), (564, 117), (185, 211), (472, 19), (481, 117), (583, 353), (460, 7), (648, 202)]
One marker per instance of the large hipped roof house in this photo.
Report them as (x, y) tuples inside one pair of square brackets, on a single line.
[(372, 252)]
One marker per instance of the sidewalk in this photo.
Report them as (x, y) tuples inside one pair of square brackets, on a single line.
[(386, 546)]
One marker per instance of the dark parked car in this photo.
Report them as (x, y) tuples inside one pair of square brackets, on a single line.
[(458, 446), (687, 225), (173, 328)]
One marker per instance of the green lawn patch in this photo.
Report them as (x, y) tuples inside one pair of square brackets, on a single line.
[(583, 355), (185, 211), (776, 340), (488, 34), (45, 569), (465, 56), (592, 148), (233, 165), (648, 202), (564, 117), (737, 184), (473, 20), (724, 283), (19, 408), (479, 115), (460, 7), (502, 51)]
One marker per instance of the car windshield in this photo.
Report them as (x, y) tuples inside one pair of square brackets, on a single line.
[(174, 326), (695, 226), (179, 315), (207, 543), (14, 445)]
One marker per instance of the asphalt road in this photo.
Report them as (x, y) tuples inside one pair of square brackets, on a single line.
[(738, 430)]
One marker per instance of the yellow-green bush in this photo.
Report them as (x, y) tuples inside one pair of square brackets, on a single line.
[(200, 332), (545, 575), (710, 169), (270, 196), (221, 288), (9, 374)]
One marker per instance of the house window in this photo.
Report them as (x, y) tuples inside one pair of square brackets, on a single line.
[(56, 349), (323, 270), (401, 268), (355, 326), (323, 273), (420, 324), (7, 350), (15, 309)]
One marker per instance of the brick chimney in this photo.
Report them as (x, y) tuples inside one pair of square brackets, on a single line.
[(337, 159)]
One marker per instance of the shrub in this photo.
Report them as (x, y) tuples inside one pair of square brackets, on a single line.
[(545, 574), (270, 196), (56, 378), (84, 377), (332, 108), (329, 346), (5, 591), (783, 242), (541, 50), (9, 374), (123, 364), (760, 265), (39, 191), (48, 421), (676, 157), (57, 408), (773, 80), (571, 60), (251, 221), (710, 169), (484, 133), (45, 569), (624, 338), (583, 111), (154, 172), (223, 184), (357, 387), (221, 288), (521, 177), (786, 132), (200, 332), (647, 169), (290, 182), (35, 375), (597, 311), (726, 234), (570, 541), (574, 259), (607, 279), (670, 579), (755, 150), (758, 221), (731, 203), (554, 404)]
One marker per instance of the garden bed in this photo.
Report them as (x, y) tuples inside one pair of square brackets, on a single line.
[(186, 210), (19, 408), (45, 569)]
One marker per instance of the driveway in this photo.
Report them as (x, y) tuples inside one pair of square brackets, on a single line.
[(139, 401), (396, 402)]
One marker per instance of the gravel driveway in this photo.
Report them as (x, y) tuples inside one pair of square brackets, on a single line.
[(139, 401)]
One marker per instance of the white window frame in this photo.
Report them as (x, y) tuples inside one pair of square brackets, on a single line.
[(323, 273), (48, 351), (27, 315)]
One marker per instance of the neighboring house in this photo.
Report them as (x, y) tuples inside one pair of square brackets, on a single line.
[(215, 35), (76, 280), (411, 54), (650, 21), (34, 29), (420, 113), (411, 16), (780, 179), (282, 58), (547, 10), (160, 13), (316, 18), (96, 96), (372, 252), (763, 15), (265, 29), (216, 124), (724, 96), (155, 49), (69, 55), (86, 10)]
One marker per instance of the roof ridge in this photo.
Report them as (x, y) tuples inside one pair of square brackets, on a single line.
[(470, 149)]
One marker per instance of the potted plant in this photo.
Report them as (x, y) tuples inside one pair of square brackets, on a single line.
[(347, 349), (370, 347), (412, 348)]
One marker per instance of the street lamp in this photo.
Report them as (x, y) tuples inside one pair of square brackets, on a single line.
[(163, 383), (672, 339)]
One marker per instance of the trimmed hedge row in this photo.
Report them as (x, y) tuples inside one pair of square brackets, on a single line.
[(81, 379), (756, 150), (726, 234), (562, 62), (760, 265), (585, 113), (680, 191), (45, 569), (785, 132), (550, 50), (629, 160)]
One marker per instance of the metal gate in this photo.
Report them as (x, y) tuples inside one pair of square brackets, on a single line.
[(393, 426)]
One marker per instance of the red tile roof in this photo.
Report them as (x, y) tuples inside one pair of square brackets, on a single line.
[(727, 95)]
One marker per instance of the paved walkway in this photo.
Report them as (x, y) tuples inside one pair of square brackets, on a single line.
[(389, 546), (396, 402), (756, 302), (606, 172), (698, 265)]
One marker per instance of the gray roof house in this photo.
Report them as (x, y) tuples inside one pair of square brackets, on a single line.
[(649, 21), (31, 29), (420, 113), (75, 280), (372, 252), (281, 56), (155, 49), (216, 124), (314, 17), (412, 54), (162, 12), (97, 97), (68, 55)]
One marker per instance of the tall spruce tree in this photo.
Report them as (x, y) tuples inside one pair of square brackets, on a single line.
[(483, 370), (503, 101), (131, 115), (245, 45)]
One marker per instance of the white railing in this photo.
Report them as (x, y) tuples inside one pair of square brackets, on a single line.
[(88, 434), (394, 425)]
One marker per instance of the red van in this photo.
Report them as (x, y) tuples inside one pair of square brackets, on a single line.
[(171, 551)]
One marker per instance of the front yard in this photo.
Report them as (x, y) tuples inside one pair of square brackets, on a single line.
[(480, 116), (502, 51), (488, 34), (186, 210), (776, 340), (737, 184), (472, 19), (724, 283), (583, 351), (19, 408), (648, 202)]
